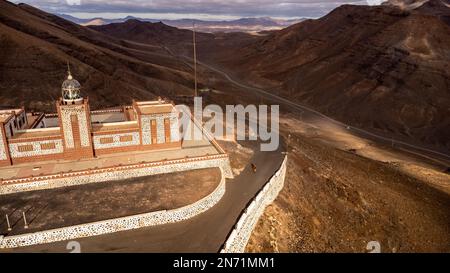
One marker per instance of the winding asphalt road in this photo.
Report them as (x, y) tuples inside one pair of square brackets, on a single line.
[(204, 233), (440, 157), (437, 156)]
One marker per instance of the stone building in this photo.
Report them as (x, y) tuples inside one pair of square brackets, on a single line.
[(75, 132)]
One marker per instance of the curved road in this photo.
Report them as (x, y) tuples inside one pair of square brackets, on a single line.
[(434, 155), (204, 233)]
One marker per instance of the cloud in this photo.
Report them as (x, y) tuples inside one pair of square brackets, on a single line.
[(241, 8)]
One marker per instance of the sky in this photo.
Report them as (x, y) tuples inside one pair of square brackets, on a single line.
[(199, 9)]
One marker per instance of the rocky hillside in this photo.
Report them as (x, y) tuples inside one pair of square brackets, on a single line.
[(35, 47), (381, 68)]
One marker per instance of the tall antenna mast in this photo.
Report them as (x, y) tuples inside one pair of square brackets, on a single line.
[(69, 75), (195, 58)]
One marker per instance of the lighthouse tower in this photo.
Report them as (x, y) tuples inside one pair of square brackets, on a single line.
[(74, 120)]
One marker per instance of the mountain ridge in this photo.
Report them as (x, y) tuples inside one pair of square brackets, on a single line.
[(246, 24), (367, 66), (380, 68), (37, 45)]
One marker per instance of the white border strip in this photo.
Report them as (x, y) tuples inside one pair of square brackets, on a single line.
[(115, 173)]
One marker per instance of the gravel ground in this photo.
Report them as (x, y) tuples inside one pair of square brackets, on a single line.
[(55, 208)]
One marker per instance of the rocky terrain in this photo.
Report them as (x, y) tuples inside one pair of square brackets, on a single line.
[(35, 47), (381, 68), (152, 33), (336, 200)]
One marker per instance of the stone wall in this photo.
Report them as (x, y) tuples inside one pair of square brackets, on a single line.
[(160, 129), (115, 173), (238, 238), (118, 224), (134, 140), (38, 148), (80, 112)]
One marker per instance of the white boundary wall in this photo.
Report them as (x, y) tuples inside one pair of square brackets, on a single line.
[(116, 173), (118, 224), (238, 238)]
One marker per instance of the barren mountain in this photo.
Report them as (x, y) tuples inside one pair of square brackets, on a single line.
[(439, 8), (35, 47), (149, 33), (210, 26), (405, 4), (381, 68)]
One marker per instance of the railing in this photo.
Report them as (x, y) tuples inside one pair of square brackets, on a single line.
[(115, 110)]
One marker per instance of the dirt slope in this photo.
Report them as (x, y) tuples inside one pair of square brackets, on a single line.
[(381, 68), (338, 201), (35, 47)]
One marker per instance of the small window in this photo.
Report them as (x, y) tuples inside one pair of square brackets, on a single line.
[(167, 129), (106, 140), (48, 146), (25, 148), (153, 131), (126, 138)]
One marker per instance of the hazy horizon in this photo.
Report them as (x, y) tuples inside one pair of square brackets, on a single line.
[(166, 16), (192, 9)]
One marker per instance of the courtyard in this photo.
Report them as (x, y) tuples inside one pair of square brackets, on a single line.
[(61, 207)]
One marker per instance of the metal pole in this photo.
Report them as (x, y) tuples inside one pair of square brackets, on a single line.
[(25, 220), (7, 221), (288, 143), (195, 59)]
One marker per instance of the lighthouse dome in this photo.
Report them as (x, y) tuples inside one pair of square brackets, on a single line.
[(71, 88)]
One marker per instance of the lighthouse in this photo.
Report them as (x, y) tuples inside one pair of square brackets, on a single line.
[(75, 120)]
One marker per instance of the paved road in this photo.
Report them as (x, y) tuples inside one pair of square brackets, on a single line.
[(440, 157), (203, 233)]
